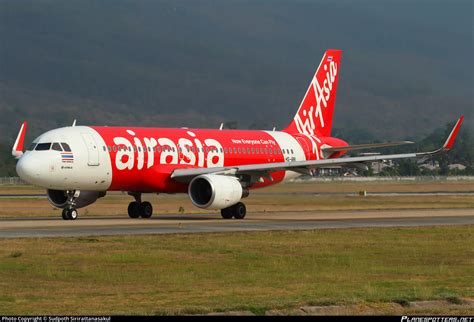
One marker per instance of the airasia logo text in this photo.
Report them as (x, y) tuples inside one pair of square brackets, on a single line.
[(187, 150)]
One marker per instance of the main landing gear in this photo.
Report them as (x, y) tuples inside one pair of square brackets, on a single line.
[(138, 208), (70, 212), (237, 211)]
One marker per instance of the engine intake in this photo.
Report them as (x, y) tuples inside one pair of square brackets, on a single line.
[(58, 198), (212, 191)]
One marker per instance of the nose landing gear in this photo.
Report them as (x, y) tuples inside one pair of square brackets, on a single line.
[(70, 212), (138, 208)]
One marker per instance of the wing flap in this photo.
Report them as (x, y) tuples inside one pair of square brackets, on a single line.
[(365, 146)]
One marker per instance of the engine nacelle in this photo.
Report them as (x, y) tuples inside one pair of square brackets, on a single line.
[(58, 198), (212, 191)]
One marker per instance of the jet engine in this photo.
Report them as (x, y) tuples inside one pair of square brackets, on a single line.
[(212, 191), (58, 198)]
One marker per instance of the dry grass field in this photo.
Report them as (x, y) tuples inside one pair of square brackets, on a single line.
[(258, 271)]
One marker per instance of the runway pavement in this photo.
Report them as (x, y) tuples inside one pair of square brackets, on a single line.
[(169, 224)]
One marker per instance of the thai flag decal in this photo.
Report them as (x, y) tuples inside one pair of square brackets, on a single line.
[(67, 157)]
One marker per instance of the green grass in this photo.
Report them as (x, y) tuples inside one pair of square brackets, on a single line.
[(198, 273)]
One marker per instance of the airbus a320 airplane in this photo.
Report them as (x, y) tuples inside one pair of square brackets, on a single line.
[(217, 168)]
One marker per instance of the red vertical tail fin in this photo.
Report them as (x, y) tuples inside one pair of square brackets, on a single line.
[(314, 116)]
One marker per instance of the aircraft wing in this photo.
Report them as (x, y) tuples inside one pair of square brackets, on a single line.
[(305, 167)]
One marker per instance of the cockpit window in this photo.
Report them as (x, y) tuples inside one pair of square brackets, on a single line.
[(66, 147), (56, 147), (32, 147), (43, 146)]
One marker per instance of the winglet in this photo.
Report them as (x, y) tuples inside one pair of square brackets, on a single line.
[(17, 150), (452, 136)]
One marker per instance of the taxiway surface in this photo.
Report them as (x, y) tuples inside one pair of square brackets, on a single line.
[(169, 224)]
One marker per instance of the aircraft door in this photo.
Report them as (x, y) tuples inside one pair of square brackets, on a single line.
[(92, 149), (303, 141)]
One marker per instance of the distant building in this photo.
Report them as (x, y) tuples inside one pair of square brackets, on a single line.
[(335, 171), (377, 167), (457, 166), (430, 165)]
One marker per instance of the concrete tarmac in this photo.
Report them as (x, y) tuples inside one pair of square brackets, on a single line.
[(172, 224)]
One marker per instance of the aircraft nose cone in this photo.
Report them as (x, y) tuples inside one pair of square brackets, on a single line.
[(27, 169)]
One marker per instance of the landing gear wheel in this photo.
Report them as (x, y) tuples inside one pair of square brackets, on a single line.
[(239, 210), (64, 214), (146, 209), (134, 209), (72, 214), (69, 214), (226, 213)]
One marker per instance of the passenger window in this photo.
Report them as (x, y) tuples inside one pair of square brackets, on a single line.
[(66, 147), (56, 147), (43, 147)]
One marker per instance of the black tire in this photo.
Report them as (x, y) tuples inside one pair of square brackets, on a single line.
[(239, 210), (64, 214), (226, 213), (134, 210), (146, 209)]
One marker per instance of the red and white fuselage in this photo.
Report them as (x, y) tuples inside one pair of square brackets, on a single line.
[(142, 159)]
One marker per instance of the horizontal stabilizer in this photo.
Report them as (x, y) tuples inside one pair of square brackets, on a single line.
[(365, 146)]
